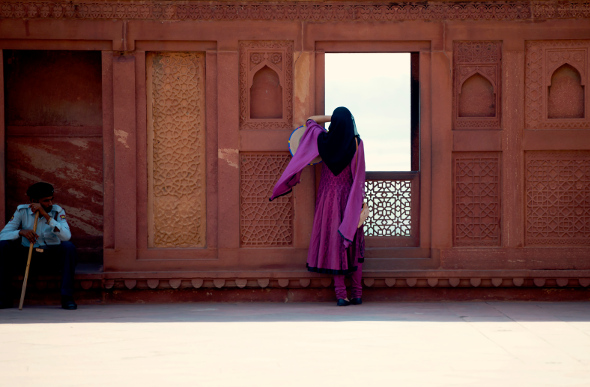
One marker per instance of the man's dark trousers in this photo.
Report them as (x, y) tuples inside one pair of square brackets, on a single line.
[(13, 260)]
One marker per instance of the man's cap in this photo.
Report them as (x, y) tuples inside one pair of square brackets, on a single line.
[(40, 190)]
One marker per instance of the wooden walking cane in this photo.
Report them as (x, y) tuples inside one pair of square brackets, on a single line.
[(22, 293)]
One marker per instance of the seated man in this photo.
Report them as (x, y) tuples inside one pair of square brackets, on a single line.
[(50, 243)]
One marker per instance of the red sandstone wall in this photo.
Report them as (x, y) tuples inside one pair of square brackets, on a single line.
[(54, 133), (188, 132)]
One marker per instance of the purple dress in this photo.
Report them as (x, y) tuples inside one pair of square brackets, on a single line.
[(327, 252), (336, 243)]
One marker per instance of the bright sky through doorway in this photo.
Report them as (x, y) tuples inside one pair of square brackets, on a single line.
[(376, 89)]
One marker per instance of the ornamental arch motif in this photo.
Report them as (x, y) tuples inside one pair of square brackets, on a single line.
[(477, 97), (266, 94), (543, 60), (565, 94), (477, 85), (277, 56)]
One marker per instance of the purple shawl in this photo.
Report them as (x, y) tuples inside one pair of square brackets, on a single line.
[(306, 152)]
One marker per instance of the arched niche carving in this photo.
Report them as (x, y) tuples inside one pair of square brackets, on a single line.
[(556, 79), (477, 97), (266, 84), (565, 94), (266, 95), (477, 85)]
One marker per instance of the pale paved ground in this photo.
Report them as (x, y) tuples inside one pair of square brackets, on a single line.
[(309, 344)]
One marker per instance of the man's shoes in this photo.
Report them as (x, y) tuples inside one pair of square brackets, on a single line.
[(356, 301), (342, 302), (68, 303)]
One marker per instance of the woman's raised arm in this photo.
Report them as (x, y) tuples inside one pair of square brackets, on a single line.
[(320, 119)]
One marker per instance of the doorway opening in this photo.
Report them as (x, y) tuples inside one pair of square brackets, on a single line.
[(382, 92), (53, 105)]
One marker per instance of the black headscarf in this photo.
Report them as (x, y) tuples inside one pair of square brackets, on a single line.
[(337, 147)]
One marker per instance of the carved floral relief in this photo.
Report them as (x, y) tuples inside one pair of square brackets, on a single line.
[(177, 141)]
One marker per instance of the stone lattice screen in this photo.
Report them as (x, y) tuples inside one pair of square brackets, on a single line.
[(390, 204), (176, 149), (264, 223), (558, 198), (477, 199)]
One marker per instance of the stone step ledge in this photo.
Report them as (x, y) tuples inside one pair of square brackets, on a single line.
[(95, 282)]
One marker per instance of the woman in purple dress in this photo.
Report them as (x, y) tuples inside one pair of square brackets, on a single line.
[(337, 246)]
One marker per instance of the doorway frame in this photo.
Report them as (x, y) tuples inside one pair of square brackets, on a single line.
[(394, 253)]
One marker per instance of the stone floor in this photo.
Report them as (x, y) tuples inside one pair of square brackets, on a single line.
[(299, 344)]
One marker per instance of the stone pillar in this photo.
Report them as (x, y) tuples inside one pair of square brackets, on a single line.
[(441, 149), (124, 145), (108, 151), (228, 147), (513, 157), (425, 149)]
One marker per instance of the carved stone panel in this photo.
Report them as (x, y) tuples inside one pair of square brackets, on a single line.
[(477, 199), (264, 223), (557, 75), (477, 85), (315, 11), (558, 198), (266, 84), (177, 167)]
